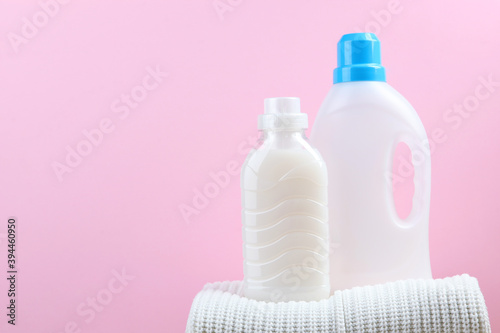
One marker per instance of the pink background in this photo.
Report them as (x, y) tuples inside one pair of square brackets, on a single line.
[(119, 207)]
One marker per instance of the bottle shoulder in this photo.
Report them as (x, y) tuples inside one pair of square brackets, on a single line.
[(265, 168), (368, 100), (365, 93), (267, 155), (286, 144)]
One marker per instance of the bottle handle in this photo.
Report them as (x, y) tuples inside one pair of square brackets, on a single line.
[(421, 160)]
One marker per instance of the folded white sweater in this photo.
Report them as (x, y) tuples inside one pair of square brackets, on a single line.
[(452, 304)]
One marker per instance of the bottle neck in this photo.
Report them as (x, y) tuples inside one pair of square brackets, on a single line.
[(283, 139)]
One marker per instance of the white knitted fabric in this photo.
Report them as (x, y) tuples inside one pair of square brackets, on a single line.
[(453, 304)]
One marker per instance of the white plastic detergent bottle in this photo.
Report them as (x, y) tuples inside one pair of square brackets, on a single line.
[(285, 213), (357, 129)]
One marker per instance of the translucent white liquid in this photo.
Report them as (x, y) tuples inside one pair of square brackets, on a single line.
[(285, 225)]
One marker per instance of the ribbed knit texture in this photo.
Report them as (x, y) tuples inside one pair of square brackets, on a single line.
[(453, 304)]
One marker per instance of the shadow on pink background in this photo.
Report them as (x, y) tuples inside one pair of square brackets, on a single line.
[(115, 114)]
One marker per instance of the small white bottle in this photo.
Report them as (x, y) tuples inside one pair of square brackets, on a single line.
[(357, 129), (285, 213)]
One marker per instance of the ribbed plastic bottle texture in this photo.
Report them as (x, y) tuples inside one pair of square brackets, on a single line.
[(285, 213)]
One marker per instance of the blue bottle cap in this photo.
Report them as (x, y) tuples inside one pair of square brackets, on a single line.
[(358, 59)]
